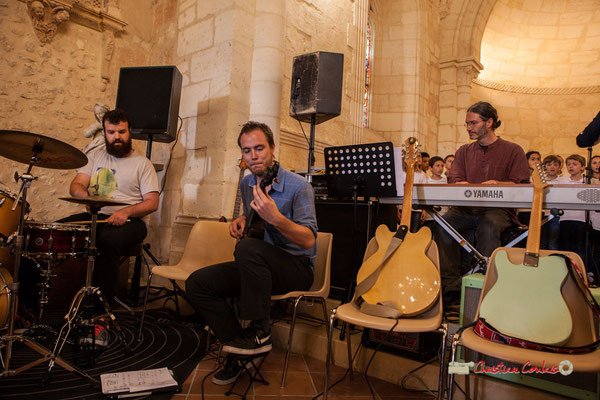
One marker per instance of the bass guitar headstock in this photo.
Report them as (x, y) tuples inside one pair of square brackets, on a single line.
[(539, 176)]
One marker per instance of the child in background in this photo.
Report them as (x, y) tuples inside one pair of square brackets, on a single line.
[(436, 165), (448, 163), (562, 163), (572, 222), (533, 157), (595, 168), (551, 229)]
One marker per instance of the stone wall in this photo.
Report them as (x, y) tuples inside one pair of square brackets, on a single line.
[(543, 122), (50, 89), (406, 73)]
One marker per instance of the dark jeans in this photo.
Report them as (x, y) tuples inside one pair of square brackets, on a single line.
[(259, 270), (572, 237), (112, 242), (487, 225)]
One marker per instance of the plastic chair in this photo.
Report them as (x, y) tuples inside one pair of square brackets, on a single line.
[(209, 243), (584, 327), (318, 291), (429, 321)]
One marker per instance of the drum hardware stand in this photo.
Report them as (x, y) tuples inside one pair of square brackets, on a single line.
[(86, 295), (37, 330), (8, 339)]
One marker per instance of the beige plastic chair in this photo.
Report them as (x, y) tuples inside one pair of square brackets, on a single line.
[(584, 327), (318, 291), (209, 243), (429, 321)]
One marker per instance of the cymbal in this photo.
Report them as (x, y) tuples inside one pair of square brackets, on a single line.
[(51, 153), (93, 201)]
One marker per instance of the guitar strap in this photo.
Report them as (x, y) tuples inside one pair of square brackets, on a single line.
[(386, 309)]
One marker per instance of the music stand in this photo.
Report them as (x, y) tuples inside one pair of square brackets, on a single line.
[(365, 170)]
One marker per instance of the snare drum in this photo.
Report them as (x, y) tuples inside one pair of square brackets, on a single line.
[(5, 295), (55, 240), (9, 222)]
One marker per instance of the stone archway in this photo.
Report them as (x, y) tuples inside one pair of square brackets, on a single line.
[(461, 30)]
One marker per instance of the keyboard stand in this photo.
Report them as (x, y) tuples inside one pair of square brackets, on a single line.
[(481, 262)]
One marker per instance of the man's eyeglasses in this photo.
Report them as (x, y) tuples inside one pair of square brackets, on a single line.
[(471, 124)]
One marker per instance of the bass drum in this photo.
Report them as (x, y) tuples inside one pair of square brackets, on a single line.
[(9, 223), (5, 295)]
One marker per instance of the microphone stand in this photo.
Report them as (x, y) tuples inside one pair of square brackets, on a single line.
[(588, 224)]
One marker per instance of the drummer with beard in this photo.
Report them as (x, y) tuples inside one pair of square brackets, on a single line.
[(119, 173)]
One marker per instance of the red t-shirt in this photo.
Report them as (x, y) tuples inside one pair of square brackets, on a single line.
[(501, 161)]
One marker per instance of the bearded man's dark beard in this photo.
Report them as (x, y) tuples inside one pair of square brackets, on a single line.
[(120, 150)]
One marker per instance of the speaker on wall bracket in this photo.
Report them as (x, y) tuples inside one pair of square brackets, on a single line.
[(317, 86), (150, 96), (316, 92)]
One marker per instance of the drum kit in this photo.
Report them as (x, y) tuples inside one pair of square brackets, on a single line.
[(48, 242)]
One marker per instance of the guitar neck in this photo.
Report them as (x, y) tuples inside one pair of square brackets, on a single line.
[(535, 221), (408, 191), (238, 196)]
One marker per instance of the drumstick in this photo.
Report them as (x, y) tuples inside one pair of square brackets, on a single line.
[(89, 222)]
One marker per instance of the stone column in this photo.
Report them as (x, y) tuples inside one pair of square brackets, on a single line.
[(455, 97), (267, 64)]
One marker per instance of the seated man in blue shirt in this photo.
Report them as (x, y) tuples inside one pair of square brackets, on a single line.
[(280, 263)]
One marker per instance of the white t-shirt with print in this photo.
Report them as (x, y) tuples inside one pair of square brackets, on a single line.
[(571, 215), (124, 179)]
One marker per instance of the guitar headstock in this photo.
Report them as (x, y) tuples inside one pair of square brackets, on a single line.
[(539, 176), (269, 176), (411, 151), (242, 164)]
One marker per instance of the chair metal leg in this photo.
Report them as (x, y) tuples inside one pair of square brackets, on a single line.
[(452, 359), (145, 304), (326, 320), (444, 330), (289, 344), (349, 346), (328, 357)]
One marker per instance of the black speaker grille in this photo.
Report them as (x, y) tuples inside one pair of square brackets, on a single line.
[(150, 96)]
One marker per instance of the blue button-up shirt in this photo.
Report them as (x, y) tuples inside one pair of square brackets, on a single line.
[(295, 199)]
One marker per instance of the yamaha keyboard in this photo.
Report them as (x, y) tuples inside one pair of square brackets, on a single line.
[(565, 197)]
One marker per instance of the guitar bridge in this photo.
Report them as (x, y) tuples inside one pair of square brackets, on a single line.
[(531, 259)]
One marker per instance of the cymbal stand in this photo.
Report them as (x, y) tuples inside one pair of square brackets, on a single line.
[(13, 288), (85, 295)]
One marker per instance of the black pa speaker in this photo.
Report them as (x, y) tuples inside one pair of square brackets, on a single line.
[(317, 86), (150, 96)]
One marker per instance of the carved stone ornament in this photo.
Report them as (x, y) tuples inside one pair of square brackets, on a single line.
[(46, 16), (100, 15)]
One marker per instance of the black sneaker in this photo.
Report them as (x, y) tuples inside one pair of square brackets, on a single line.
[(230, 371), (251, 341)]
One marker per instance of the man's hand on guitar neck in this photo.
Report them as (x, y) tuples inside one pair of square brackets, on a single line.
[(264, 205), (236, 227)]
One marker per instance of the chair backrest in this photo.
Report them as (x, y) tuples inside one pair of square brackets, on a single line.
[(322, 272), (584, 331), (209, 243)]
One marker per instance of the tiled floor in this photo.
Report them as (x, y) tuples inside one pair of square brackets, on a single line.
[(305, 378)]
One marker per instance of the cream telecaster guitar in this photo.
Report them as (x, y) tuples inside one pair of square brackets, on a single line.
[(408, 279), (526, 301)]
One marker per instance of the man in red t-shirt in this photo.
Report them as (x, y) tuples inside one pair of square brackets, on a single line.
[(488, 160)]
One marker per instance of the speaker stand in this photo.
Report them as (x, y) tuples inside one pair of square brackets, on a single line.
[(311, 148)]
